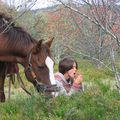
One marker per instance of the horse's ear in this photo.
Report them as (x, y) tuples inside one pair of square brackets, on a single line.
[(49, 42), (39, 43), (37, 48)]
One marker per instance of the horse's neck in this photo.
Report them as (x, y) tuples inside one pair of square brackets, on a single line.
[(15, 49), (25, 49), (15, 53), (9, 58)]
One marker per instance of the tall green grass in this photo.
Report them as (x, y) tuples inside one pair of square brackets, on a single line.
[(91, 104), (99, 101)]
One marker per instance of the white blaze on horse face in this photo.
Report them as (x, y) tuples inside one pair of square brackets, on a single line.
[(49, 62)]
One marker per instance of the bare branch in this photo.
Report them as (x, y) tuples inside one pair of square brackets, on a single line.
[(80, 53), (105, 29), (8, 26)]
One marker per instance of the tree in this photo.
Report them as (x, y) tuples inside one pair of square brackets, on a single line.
[(101, 17)]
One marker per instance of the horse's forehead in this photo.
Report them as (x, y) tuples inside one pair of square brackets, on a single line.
[(45, 52), (41, 57), (49, 63)]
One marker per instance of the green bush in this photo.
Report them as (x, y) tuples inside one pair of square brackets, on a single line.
[(98, 102)]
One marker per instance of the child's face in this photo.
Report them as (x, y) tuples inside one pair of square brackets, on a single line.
[(71, 72)]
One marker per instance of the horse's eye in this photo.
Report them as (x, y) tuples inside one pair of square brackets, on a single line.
[(41, 67)]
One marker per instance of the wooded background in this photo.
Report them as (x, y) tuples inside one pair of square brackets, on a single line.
[(84, 29)]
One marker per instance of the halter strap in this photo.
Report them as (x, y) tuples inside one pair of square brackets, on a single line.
[(41, 87)]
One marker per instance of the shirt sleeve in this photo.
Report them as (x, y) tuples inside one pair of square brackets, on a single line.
[(74, 88), (62, 90)]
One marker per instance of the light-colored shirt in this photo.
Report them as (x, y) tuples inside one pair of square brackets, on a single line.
[(66, 88)]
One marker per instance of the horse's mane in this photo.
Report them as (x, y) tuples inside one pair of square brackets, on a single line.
[(12, 32)]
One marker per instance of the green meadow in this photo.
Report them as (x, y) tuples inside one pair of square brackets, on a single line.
[(99, 101)]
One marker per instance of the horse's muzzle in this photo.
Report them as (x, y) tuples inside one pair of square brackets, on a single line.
[(47, 88)]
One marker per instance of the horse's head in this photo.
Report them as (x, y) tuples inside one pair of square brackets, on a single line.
[(40, 65)]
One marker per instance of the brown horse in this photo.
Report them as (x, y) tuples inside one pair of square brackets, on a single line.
[(17, 46)]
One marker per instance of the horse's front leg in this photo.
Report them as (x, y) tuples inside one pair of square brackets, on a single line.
[(2, 94)]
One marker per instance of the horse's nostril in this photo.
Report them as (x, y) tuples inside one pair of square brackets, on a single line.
[(41, 88)]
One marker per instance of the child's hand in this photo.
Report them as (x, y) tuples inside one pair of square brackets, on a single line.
[(78, 79)]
